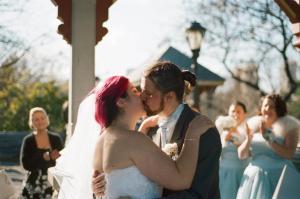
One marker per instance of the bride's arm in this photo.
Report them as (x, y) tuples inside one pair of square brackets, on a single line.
[(159, 167), (148, 123)]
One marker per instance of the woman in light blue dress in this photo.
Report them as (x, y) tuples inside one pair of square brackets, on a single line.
[(233, 132), (273, 144)]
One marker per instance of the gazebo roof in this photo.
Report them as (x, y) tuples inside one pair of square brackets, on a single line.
[(205, 77)]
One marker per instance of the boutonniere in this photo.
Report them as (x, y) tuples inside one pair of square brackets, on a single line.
[(171, 149)]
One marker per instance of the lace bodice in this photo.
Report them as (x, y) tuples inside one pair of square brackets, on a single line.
[(130, 182)]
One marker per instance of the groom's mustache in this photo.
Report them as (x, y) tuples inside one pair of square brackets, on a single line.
[(147, 109), (150, 112)]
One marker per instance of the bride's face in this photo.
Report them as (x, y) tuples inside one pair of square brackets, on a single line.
[(134, 103)]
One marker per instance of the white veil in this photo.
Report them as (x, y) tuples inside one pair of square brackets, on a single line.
[(75, 164)]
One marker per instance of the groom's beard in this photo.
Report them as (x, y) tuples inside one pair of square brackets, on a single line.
[(150, 112)]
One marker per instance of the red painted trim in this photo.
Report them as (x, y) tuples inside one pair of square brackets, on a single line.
[(291, 8), (65, 16)]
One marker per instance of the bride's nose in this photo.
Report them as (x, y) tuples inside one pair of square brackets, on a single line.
[(138, 94)]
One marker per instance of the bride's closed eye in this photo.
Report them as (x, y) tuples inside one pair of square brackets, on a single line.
[(136, 91)]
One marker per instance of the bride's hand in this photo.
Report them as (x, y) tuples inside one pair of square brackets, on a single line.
[(149, 122), (198, 126)]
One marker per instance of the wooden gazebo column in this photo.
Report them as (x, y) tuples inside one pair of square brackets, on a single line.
[(82, 28)]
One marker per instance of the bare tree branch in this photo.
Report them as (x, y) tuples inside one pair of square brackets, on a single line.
[(256, 27)]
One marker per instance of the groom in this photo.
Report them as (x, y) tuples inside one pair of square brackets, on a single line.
[(162, 93)]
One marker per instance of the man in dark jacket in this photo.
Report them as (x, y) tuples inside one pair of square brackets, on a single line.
[(163, 87)]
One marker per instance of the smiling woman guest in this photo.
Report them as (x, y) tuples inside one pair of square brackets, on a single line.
[(273, 143), (39, 151), (233, 129)]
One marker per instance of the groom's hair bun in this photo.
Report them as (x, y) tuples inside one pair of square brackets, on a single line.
[(167, 77), (190, 77), (106, 109)]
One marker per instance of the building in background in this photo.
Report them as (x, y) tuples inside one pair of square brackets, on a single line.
[(206, 79)]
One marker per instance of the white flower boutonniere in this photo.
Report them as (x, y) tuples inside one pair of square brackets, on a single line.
[(171, 149)]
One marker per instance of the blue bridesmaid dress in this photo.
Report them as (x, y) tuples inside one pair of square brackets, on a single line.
[(262, 174), (231, 167)]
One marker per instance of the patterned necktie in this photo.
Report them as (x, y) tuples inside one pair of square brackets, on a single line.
[(167, 125), (163, 137)]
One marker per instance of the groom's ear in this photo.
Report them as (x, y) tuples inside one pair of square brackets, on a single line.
[(170, 95)]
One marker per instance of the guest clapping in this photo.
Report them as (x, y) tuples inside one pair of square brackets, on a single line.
[(273, 143), (39, 151), (233, 132)]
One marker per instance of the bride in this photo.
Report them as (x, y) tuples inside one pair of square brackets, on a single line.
[(74, 168), (133, 165)]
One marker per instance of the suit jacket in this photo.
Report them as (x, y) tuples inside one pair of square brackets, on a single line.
[(206, 180)]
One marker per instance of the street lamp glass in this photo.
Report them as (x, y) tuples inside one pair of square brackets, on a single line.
[(194, 35)]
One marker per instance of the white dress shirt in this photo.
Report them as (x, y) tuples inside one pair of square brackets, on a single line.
[(167, 125)]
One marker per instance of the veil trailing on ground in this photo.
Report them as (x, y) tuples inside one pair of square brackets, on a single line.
[(74, 166)]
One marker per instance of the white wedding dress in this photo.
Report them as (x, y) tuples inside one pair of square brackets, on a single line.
[(74, 168), (130, 182)]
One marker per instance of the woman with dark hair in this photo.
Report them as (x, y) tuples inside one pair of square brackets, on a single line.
[(232, 130), (273, 142), (133, 165)]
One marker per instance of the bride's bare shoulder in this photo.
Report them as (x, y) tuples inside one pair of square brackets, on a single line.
[(137, 139), (137, 135)]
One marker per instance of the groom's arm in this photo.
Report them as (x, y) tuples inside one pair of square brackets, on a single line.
[(206, 180), (98, 184)]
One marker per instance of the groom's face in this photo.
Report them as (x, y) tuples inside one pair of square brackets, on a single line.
[(151, 97)]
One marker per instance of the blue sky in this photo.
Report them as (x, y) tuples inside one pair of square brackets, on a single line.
[(136, 29)]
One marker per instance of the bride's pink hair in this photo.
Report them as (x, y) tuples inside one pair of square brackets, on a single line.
[(106, 109)]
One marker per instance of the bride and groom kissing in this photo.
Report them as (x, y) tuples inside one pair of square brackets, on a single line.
[(129, 164)]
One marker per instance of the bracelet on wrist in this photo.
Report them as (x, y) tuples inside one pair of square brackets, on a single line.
[(268, 135), (190, 139)]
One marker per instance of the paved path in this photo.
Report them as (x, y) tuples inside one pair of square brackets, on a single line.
[(17, 174)]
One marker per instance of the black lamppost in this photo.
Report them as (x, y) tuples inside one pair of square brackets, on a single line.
[(194, 36)]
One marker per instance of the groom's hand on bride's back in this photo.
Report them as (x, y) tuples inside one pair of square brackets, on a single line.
[(98, 183)]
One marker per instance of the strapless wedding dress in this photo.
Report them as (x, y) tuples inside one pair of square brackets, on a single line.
[(130, 182)]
